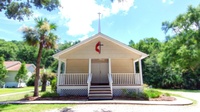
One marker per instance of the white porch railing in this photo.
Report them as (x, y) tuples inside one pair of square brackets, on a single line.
[(85, 79), (126, 78), (110, 82), (73, 79), (89, 82)]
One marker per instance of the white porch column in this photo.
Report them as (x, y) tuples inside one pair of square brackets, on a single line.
[(140, 68), (89, 80), (134, 67), (65, 67), (89, 71), (58, 73), (110, 76), (109, 64)]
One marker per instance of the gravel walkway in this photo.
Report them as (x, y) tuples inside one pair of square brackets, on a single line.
[(192, 95), (135, 108), (128, 108)]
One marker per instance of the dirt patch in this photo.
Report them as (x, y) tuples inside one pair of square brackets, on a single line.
[(163, 98)]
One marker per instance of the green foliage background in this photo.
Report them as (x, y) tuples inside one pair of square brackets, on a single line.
[(3, 71), (175, 62), (21, 74)]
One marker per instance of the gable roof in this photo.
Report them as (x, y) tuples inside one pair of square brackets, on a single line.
[(143, 55), (9, 64), (15, 65)]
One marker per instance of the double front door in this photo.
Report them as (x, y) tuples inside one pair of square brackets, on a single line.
[(99, 69)]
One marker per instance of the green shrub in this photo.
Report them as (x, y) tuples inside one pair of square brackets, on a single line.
[(152, 93), (166, 94), (53, 85), (142, 95), (134, 95), (26, 95), (124, 92), (49, 94), (30, 81)]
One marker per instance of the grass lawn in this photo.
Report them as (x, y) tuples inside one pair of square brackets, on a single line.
[(14, 90), (27, 107), (19, 96), (31, 107), (14, 97), (180, 90)]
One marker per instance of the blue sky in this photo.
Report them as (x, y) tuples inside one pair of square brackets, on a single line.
[(78, 19)]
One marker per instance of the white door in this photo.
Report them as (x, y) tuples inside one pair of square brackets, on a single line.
[(99, 71)]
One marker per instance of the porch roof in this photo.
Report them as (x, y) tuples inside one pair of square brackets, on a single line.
[(101, 35)]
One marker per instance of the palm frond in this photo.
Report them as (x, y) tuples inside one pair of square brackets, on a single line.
[(50, 41), (53, 26), (30, 36), (40, 22)]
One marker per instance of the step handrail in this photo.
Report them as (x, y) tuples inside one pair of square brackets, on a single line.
[(89, 82), (110, 83)]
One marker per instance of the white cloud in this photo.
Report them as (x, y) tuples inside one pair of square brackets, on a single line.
[(168, 1), (135, 7), (121, 6), (83, 38), (171, 2), (37, 14), (81, 13), (163, 1)]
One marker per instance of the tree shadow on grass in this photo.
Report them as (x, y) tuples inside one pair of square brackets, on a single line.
[(4, 107)]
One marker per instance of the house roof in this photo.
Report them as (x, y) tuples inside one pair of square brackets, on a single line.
[(15, 65), (9, 64), (143, 55)]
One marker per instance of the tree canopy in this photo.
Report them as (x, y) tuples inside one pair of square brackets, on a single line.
[(21, 74), (18, 9), (3, 71), (175, 64)]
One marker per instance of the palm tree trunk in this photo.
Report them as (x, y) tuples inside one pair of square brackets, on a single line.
[(36, 93), (44, 82)]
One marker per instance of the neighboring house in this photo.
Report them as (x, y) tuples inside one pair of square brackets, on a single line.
[(99, 67), (13, 67)]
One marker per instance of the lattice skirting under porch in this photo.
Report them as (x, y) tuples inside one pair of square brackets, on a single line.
[(73, 92), (119, 92)]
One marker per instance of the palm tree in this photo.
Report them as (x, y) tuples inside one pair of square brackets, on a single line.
[(41, 36)]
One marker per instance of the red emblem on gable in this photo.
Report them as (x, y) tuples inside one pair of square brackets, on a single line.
[(98, 47)]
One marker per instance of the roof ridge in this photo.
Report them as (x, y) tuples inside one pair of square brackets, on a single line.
[(17, 62)]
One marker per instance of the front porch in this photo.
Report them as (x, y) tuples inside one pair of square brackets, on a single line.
[(81, 79), (82, 84), (99, 66)]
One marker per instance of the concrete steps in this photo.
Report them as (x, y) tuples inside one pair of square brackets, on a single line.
[(100, 92)]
